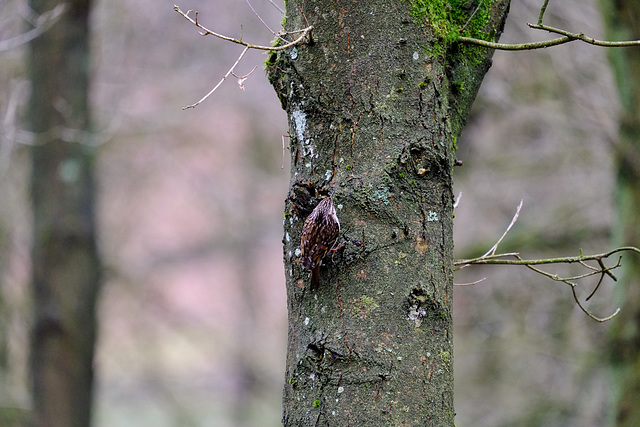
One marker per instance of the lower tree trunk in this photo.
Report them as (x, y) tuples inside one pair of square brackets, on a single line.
[(376, 102), (66, 268)]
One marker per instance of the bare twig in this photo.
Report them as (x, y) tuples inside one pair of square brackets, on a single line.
[(548, 43), (491, 252), (584, 38), (605, 271), (542, 10), (265, 24), (471, 17), (514, 258), (241, 79), (499, 258), (567, 37), (303, 36), (475, 282), (304, 33), (515, 46), (602, 269), (588, 313), (276, 6), (245, 50)]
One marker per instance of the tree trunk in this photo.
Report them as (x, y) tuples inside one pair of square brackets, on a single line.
[(622, 19), (376, 101), (66, 268)]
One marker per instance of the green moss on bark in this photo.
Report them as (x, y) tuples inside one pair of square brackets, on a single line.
[(454, 18), (451, 19)]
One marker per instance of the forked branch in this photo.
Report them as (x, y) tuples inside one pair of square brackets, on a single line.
[(567, 37), (303, 36), (304, 33), (595, 265)]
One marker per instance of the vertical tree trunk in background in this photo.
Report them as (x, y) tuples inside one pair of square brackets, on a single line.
[(66, 268), (622, 19), (375, 105)]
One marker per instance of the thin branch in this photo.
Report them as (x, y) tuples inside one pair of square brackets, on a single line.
[(276, 6), (265, 24), (491, 252), (588, 313), (575, 295), (599, 281), (569, 279), (305, 32), (498, 258), (470, 283), (241, 79), (602, 270), (515, 46), (514, 258), (471, 17), (246, 49), (584, 38), (542, 10), (567, 37)]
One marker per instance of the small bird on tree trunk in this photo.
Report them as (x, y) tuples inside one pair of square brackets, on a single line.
[(319, 233)]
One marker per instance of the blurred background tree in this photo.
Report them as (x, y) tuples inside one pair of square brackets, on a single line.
[(192, 317), (622, 20), (65, 266)]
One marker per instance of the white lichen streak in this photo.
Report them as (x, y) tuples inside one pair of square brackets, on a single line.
[(300, 119), (300, 122)]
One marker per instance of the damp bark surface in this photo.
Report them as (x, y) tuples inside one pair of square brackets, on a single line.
[(376, 100)]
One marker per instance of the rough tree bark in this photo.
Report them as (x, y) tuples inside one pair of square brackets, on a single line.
[(376, 102), (622, 20), (66, 268)]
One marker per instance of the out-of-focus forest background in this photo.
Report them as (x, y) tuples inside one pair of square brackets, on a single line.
[(192, 312)]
